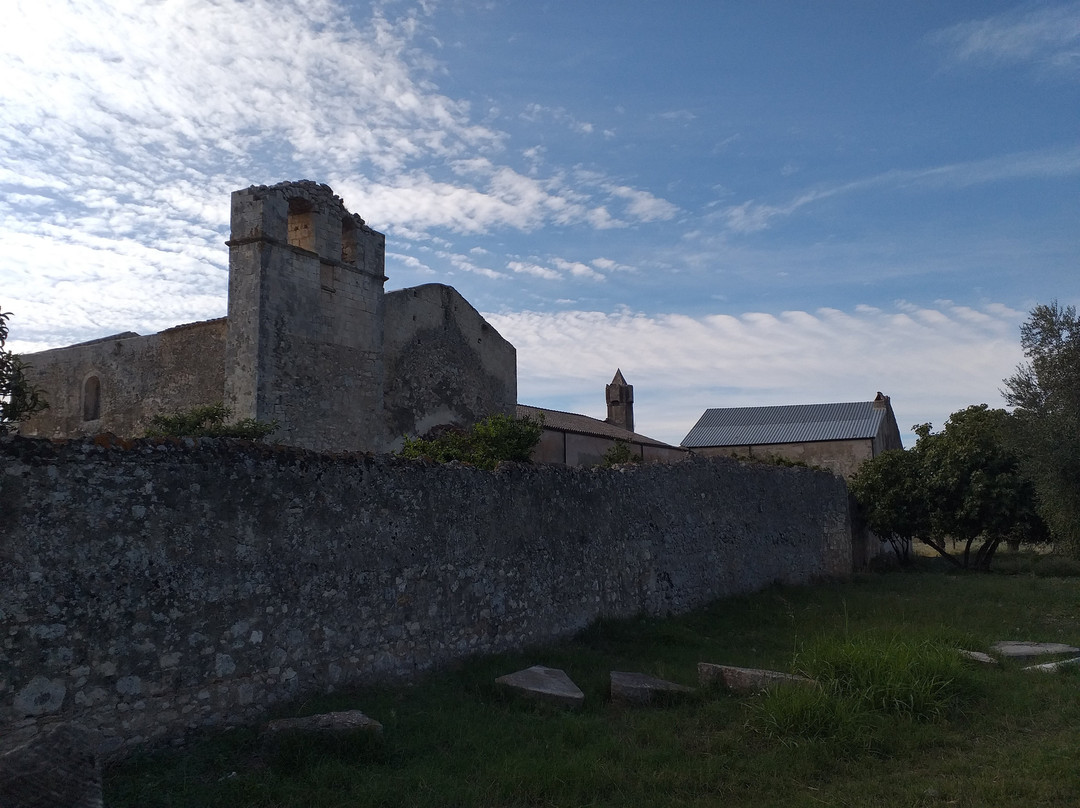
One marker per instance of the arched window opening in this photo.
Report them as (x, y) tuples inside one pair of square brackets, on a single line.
[(301, 224), (349, 253), (91, 405)]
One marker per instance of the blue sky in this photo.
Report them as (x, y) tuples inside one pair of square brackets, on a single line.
[(736, 203)]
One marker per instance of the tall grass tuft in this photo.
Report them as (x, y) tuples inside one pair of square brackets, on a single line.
[(866, 682), (918, 678)]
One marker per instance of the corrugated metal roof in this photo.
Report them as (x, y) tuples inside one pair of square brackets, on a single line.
[(583, 424), (792, 423)]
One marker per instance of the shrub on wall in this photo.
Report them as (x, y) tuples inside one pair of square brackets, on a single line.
[(496, 438), (208, 421), (618, 454)]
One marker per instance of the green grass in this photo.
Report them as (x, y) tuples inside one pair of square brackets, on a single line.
[(899, 719)]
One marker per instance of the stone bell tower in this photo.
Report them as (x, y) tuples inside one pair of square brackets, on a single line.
[(305, 327), (620, 402)]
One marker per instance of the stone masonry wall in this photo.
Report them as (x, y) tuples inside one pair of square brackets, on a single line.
[(149, 588), (444, 363), (137, 377), (305, 317)]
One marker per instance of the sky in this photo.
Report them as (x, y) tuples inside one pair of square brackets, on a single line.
[(736, 203)]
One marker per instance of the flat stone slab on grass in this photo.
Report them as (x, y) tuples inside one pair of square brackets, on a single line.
[(546, 684), (326, 723), (1054, 667), (748, 680), (1028, 649), (640, 688), (977, 656)]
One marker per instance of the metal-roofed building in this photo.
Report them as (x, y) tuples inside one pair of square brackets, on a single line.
[(838, 437)]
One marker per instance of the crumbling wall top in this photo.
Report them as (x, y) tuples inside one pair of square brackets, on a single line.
[(318, 195)]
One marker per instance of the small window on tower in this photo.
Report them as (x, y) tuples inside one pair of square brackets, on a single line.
[(349, 253), (91, 399), (301, 224)]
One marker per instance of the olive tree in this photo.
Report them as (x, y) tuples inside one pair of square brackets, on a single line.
[(1045, 390), (961, 487)]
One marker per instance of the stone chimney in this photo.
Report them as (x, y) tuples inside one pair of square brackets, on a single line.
[(881, 402), (620, 402)]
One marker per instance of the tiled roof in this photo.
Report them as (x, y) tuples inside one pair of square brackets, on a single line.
[(793, 423), (584, 425)]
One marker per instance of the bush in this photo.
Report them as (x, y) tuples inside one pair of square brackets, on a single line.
[(1056, 566), (19, 399), (487, 443), (208, 421), (618, 454)]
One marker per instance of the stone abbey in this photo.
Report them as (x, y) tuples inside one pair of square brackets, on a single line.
[(311, 340)]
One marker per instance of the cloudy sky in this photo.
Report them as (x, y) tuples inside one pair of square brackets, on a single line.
[(737, 203)]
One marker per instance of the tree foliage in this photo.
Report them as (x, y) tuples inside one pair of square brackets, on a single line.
[(894, 505), (498, 437), (208, 421), (1045, 390), (962, 487), (19, 399), (619, 453)]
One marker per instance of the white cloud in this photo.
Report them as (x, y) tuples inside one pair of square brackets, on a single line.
[(413, 263), (127, 124), (683, 115), (643, 206), (752, 216), (1047, 36), (577, 269), (463, 263), (931, 360), (536, 113), (525, 268), (607, 265)]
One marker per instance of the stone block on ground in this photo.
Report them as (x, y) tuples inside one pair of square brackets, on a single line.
[(748, 680), (1054, 667), (977, 656), (640, 688), (1008, 648), (57, 768), (325, 724), (546, 684)]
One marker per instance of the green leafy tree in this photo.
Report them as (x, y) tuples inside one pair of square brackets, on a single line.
[(208, 421), (1045, 390), (961, 486), (19, 399), (485, 444), (893, 497), (978, 494), (619, 453)]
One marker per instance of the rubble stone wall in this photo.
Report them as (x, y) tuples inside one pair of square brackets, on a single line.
[(445, 364), (131, 378), (154, 587)]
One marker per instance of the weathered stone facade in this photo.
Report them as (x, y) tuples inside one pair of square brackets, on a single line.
[(444, 362), (153, 587), (310, 341), (115, 384)]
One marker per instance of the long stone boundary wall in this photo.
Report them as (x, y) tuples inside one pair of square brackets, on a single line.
[(148, 588)]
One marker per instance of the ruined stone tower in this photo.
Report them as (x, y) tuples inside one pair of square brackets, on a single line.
[(304, 346), (311, 341), (620, 402)]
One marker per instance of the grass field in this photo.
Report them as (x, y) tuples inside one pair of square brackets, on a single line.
[(899, 723)]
